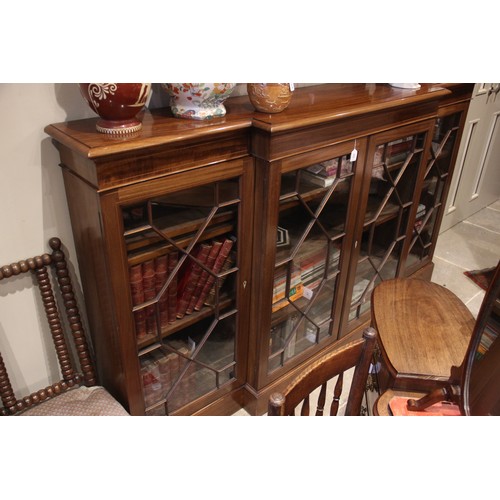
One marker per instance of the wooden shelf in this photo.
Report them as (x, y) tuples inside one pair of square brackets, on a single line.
[(182, 323), (159, 246)]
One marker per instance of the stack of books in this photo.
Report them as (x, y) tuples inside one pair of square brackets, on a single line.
[(312, 267), (279, 287), (394, 151), (311, 259), (323, 174), (489, 335), (307, 273)]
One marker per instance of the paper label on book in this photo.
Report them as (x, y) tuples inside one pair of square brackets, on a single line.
[(307, 293)]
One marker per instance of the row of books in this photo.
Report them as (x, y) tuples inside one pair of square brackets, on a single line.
[(160, 371), (189, 289), (489, 335)]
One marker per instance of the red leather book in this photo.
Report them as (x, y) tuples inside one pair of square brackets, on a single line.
[(148, 285), (151, 381), (172, 287), (190, 279), (210, 262), (219, 262), (210, 298), (137, 291), (161, 270)]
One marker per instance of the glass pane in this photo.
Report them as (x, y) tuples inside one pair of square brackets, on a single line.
[(189, 365), (392, 184), (206, 359), (436, 177), (311, 230), (182, 252), (283, 340), (313, 196), (182, 255)]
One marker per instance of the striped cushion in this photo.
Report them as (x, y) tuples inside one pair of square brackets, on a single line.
[(82, 401)]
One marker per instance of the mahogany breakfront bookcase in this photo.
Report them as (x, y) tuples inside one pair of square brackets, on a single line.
[(314, 206)]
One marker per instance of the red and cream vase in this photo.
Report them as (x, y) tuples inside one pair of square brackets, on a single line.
[(117, 105)]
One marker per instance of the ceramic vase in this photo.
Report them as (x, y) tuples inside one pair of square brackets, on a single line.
[(117, 105), (270, 97), (198, 101)]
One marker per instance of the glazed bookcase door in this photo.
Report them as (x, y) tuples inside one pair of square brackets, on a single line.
[(184, 260), (434, 190), (314, 211), (391, 179)]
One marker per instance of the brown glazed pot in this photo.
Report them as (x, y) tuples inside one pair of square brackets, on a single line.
[(269, 97), (117, 105)]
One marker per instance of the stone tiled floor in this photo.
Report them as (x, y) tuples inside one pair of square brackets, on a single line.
[(470, 245)]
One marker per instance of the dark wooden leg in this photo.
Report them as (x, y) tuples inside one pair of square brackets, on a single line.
[(450, 393)]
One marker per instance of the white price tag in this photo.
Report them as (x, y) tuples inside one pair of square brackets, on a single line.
[(307, 293), (354, 155), (292, 87)]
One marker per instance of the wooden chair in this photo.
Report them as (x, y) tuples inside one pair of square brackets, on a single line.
[(429, 342), (356, 354), (76, 393)]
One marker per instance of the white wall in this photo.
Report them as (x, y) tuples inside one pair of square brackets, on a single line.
[(32, 209)]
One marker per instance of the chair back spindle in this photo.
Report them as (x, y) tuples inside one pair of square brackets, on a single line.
[(356, 354)]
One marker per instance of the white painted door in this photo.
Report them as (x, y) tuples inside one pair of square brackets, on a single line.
[(476, 179)]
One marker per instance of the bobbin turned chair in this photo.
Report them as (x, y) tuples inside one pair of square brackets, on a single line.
[(76, 393), (357, 354)]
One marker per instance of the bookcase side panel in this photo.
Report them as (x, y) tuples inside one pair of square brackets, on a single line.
[(117, 276), (85, 213)]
